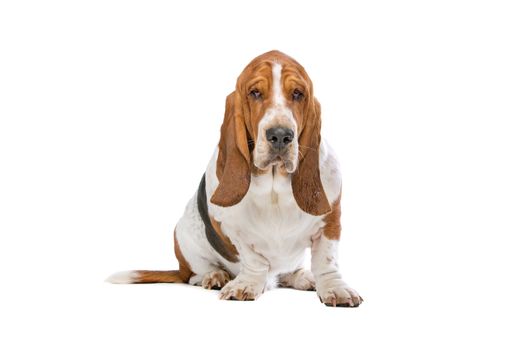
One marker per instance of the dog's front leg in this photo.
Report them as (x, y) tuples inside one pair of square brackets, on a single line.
[(251, 280), (331, 288)]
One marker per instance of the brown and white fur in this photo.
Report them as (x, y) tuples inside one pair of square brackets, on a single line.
[(259, 206)]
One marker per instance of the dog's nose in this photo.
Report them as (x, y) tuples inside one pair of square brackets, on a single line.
[(279, 137)]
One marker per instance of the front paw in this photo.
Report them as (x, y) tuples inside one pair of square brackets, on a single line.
[(241, 289), (215, 279), (337, 293), (301, 279)]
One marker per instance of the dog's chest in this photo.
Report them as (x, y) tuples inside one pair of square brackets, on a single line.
[(269, 221)]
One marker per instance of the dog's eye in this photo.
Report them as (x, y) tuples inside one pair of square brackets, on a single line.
[(297, 95), (256, 94)]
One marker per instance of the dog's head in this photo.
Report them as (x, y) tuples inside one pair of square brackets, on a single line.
[(271, 119)]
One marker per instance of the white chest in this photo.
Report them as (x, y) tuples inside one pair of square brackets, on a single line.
[(269, 221)]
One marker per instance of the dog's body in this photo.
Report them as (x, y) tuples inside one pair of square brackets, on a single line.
[(266, 196)]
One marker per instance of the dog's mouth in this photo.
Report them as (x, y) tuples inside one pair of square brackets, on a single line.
[(282, 161)]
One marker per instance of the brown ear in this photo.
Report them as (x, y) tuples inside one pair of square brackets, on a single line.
[(306, 181), (233, 161)]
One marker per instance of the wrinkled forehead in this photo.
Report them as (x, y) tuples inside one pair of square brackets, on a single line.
[(256, 73), (266, 68)]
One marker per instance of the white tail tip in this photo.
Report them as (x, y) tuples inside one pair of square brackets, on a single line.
[(123, 277)]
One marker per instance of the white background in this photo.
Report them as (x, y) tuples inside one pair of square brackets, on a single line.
[(110, 111)]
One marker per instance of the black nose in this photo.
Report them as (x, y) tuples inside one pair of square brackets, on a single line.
[(279, 137)]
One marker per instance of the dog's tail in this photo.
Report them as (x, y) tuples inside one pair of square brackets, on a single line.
[(143, 276), (182, 275)]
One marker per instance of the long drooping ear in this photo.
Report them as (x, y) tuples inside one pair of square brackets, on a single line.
[(306, 181), (233, 161)]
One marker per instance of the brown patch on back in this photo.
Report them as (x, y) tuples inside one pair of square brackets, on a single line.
[(332, 228), (228, 245)]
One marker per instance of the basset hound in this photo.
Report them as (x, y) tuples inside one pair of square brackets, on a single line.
[(271, 190)]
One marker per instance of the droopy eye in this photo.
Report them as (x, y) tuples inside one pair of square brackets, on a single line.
[(256, 94), (297, 95)]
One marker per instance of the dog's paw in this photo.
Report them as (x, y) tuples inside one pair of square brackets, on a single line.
[(240, 289), (215, 279), (301, 279), (337, 293)]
